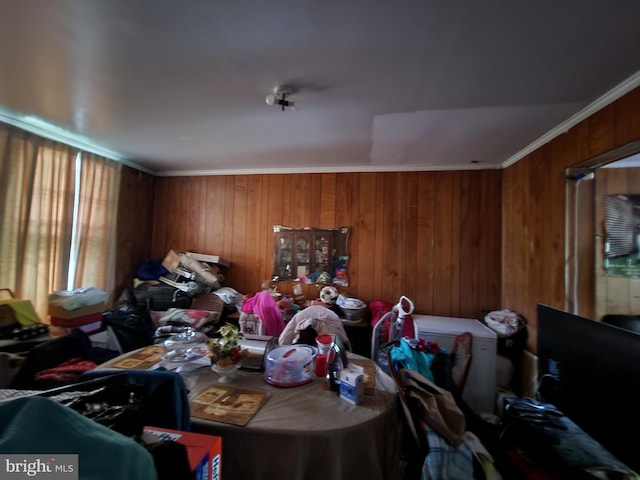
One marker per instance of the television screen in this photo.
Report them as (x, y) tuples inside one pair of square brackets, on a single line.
[(591, 371)]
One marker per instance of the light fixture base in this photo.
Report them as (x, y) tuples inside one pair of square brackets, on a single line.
[(280, 97), (283, 90)]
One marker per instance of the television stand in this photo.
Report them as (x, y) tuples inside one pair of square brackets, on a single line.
[(542, 439)]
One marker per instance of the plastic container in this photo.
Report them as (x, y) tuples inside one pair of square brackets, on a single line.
[(186, 346), (290, 365)]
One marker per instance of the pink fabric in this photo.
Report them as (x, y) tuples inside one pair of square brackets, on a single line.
[(378, 308), (263, 305), (247, 304)]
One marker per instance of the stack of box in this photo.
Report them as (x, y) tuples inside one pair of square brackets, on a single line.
[(193, 273), (61, 317), (74, 308)]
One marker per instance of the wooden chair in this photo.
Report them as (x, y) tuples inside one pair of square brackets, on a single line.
[(461, 360), (414, 445)]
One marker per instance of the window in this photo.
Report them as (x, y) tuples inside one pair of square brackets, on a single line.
[(57, 214)]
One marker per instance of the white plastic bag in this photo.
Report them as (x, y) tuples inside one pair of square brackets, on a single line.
[(504, 322)]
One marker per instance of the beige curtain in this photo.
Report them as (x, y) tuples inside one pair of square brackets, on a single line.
[(37, 189), (36, 215), (97, 215)]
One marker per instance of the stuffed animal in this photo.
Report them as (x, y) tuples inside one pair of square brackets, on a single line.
[(329, 295)]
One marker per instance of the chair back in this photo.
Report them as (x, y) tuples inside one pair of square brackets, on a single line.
[(379, 333), (461, 359)]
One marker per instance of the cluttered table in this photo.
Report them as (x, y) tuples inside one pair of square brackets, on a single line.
[(304, 432)]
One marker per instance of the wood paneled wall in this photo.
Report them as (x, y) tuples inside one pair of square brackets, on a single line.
[(534, 205), (135, 223), (433, 236)]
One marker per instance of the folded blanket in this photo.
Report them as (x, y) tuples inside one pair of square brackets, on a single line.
[(321, 319)]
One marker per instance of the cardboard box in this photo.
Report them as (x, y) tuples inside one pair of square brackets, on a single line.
[(204, 451), (352, 384), (63, 313)]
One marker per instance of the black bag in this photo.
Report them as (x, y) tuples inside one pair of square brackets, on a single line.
[(118, 406), (132, 330), (160, 297)]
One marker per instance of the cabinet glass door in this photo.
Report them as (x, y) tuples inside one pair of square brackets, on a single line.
[(284, 256), (311, 255), (302, 255), (322, 254)]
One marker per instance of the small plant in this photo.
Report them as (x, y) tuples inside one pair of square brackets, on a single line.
[(226, 350)]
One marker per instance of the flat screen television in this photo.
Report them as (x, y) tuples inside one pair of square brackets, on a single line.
[(591, 371)]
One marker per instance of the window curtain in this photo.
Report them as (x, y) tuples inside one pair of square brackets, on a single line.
[(37, 190), (97, 223), (36, 206)]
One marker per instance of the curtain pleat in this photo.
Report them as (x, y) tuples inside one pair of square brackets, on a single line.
[(48, 236), (99, 188), (17, 173)]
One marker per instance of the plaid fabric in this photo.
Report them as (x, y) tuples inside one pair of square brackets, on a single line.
[(446, 462)]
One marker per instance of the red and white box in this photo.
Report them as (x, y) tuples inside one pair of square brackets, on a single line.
[(203, 451), (61, 317)]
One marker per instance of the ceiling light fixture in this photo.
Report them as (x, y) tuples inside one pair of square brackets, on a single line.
[(280, 96)]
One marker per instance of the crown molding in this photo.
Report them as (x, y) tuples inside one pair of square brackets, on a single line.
[(611, 96)]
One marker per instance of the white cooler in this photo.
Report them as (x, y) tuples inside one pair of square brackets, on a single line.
[(480, 389)]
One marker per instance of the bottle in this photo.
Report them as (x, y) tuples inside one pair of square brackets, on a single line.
[(333, 376), (321, 365)]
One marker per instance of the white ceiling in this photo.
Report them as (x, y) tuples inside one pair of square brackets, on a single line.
[(178, 87)]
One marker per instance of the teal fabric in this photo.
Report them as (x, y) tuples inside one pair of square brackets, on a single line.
[(39, 425), (413, 359)]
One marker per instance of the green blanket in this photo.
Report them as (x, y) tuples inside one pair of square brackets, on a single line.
[(24, 312), (39, 425)]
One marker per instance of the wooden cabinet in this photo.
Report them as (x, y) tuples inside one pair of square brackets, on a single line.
[(318, 254)]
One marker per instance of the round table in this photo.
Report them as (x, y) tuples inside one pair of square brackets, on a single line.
[(307, 432)]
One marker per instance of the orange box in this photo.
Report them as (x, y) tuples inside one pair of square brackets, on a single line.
[(204, 451), (61, 312)]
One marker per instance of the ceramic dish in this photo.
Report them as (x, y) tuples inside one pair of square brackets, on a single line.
[(188, 355)]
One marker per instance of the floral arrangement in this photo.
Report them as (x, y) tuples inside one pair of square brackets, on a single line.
[(226, 350)]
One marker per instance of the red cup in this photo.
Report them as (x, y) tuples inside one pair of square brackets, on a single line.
[(324, 343), (325, 339)]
